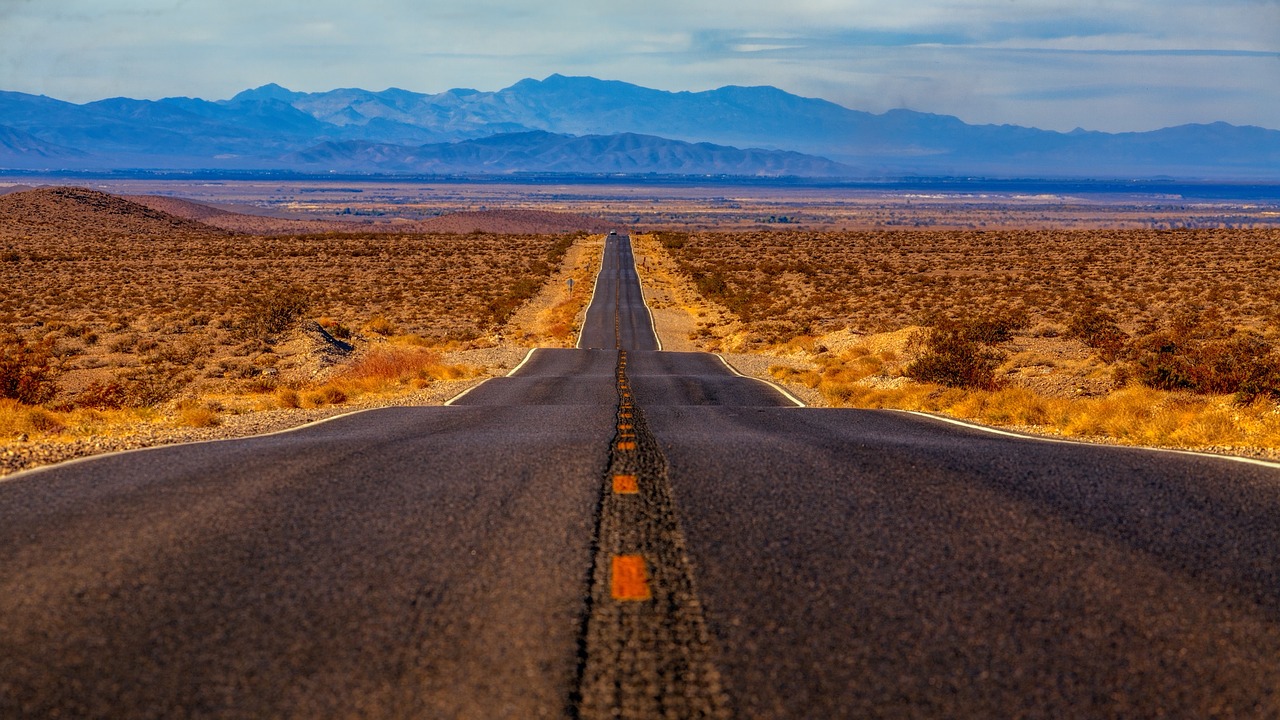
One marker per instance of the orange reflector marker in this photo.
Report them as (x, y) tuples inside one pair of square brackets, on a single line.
[(630, 580), (625, 426), (626, 445), (625, 485)]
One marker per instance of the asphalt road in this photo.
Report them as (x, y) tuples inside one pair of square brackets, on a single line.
[(621, 532)]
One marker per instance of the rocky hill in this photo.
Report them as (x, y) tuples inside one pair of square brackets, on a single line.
[(74, 212)]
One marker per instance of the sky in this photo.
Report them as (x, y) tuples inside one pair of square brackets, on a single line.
[(1111, 65)]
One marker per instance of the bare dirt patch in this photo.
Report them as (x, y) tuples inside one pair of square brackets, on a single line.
[(554, 317)]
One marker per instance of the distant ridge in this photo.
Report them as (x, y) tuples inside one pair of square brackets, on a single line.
[(22, 149), (591, 125), (71, 212), (538, 151), (178, 207)]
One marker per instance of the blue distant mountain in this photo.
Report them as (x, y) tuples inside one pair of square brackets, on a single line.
[(543, 152), (634, 130)]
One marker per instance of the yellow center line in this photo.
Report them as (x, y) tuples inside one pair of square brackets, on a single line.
[(626, 445), (625, 485), (629, 579)]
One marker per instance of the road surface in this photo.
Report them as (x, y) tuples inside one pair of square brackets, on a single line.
[(614, 531)]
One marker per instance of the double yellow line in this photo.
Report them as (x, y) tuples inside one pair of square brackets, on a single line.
[(628, 574)]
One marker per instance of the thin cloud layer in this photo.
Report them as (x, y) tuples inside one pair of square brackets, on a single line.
[(1116, 65)]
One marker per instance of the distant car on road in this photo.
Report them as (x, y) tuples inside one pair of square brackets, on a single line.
[(613, 232)]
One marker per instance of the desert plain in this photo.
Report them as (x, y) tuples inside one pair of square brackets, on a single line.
[(141, 311)]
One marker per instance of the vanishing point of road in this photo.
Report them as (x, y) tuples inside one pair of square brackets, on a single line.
[(614, 531)]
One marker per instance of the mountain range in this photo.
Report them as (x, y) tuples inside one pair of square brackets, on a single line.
[(585, 125)]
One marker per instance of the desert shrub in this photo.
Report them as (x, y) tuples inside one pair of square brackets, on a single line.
[(103, 396), (393, 364), (184, 353), (261, 385), (380, 325), (272, 313), (1242, 363), (192, 414), (712, 284), (673, 240), (950, 359), (503, 306), (559, 248), (43, 421), (287, 398), (993, 328), (959, 353), (327, 395), (335, 328), (1097, 328), (154, 385), (123, 344), (27, 371)]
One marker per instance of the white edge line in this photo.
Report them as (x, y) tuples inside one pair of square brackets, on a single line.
[(1065, 441), (592, 299), (773, 385), (514, 370), (459, 396), (99, 456), (652, 323)]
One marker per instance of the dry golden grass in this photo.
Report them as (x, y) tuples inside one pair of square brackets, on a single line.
[(1131, 415), (389, 369), (18, 420), (195, 414)]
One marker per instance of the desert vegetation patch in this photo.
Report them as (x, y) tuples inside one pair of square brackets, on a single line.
[(931, 319), (108, 304)]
